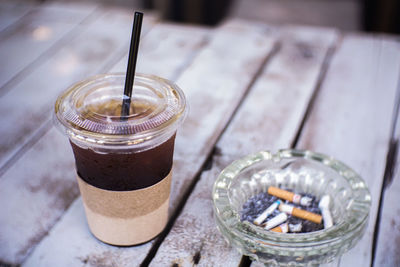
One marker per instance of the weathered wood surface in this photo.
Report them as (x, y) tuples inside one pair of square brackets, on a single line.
[(52, 202), (11, 12), (187, 161), (39, 32), (279, 99), (169, 50), (351, 118), (388, 242), (92, 50), (268, 119), (39, 196)]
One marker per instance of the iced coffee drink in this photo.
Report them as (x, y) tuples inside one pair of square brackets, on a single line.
[(123, 164)]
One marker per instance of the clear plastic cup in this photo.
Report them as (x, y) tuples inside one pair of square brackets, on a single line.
[(123, 163)]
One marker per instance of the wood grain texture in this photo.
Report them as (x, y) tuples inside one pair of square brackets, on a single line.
[(170, 48), (11, 12), (70, 243), (271, 114), (194, 239), (32, 197), (37, 32), (187, 44), (43, 206), (351, 118), (185, 165), (215, 84), (387, 251), (41, 210), (388, 242), (31, 100), (273, 108)]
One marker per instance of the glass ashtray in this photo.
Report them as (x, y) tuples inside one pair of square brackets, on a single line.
[(301, 171)]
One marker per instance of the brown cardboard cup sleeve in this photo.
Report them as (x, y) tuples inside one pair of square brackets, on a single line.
[(126, 218)]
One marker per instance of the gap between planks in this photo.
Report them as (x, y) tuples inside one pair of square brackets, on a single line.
[(256, 45), (49, 52), (195, 225), (207, 164), (184, 39), (320, 80), (14, 11), (352, 119), (10, 154), (246, 261), (20, 249), (386, 234)]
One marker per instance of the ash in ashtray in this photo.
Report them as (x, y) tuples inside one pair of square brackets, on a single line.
[(288, 212)]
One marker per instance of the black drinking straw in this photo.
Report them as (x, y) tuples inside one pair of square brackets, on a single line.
[(130, 71)]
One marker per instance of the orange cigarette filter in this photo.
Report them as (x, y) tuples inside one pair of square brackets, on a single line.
[(303, 214), (289, 196), (283, 228), (280, 193)]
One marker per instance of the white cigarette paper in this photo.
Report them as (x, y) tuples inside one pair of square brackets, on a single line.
[(280, 218), (305, 201), (267, 212), (326, 214), (295, 228)]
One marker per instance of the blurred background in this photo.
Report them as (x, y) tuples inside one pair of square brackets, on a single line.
[(346, 15)]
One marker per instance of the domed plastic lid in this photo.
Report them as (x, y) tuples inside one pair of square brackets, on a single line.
[(90, 111)]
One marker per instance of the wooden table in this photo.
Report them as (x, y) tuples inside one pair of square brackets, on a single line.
[(250, 87)]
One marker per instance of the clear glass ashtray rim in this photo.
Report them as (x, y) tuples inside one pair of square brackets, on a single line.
[(257, 236)]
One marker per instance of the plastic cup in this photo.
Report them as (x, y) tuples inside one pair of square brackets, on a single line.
[(123, 163)]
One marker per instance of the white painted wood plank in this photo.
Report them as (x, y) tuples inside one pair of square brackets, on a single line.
[(40, 209), (218, 85), (194, 239), (65, 11), (75, 246), (32, 198), (10, 12), (214, 86), (31, 100), (276, 105), (33, 35), (165, 53), (34, 193), (70, 243), (352, 117), (388, 242), (387, 252), (185, 165), (267, 119)]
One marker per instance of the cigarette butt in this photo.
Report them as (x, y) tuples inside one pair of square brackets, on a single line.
[(275, 191), (267, 212), (303, 214), (326, 214), (289, 196), (278, 219), (283, 228)]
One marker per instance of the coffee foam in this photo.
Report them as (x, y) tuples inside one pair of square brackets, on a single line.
[(126, 217)]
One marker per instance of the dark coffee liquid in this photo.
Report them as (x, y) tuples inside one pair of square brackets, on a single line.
[(124, 171)]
